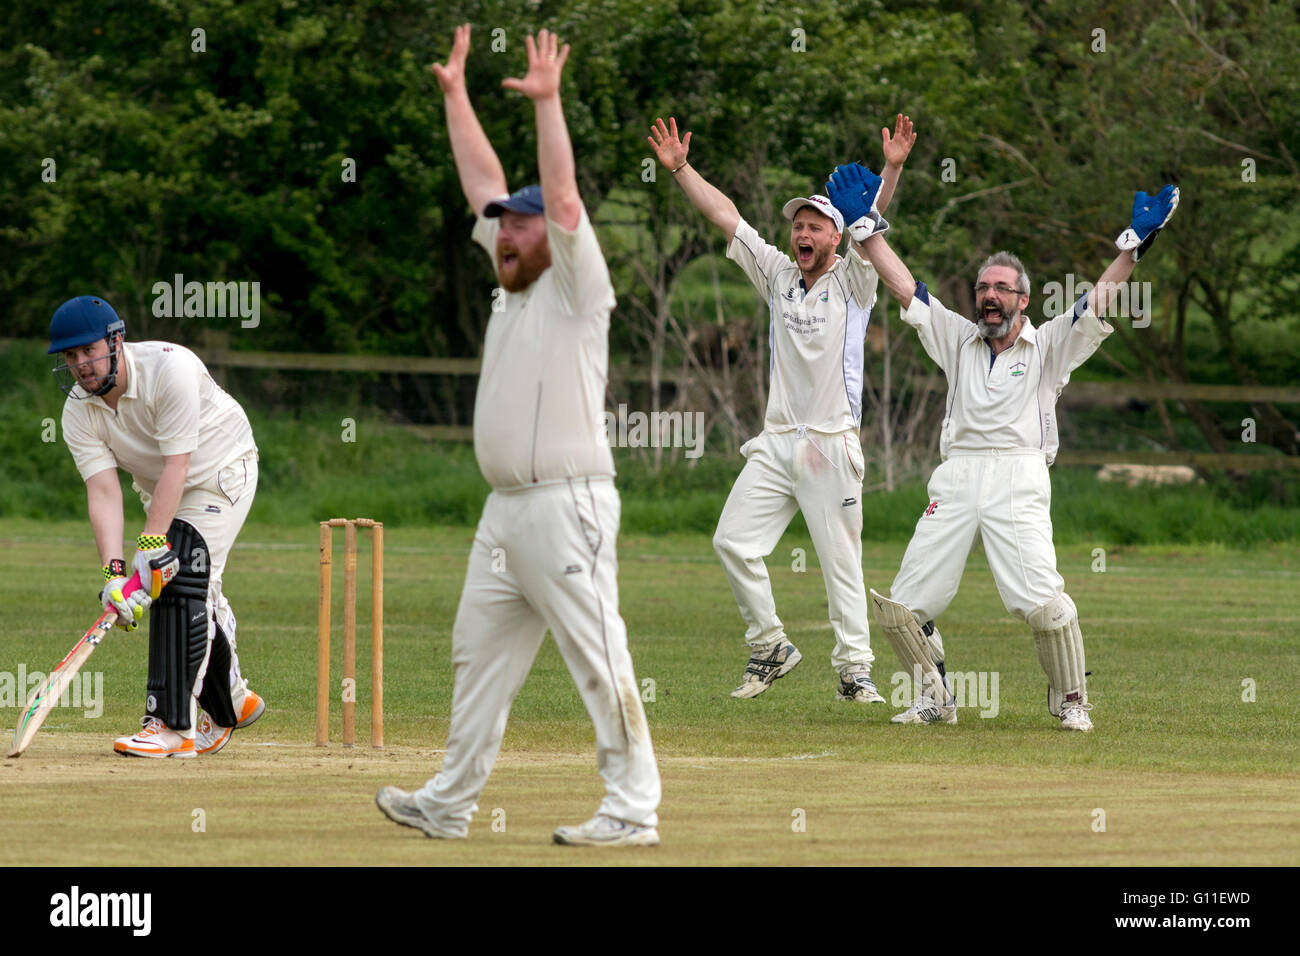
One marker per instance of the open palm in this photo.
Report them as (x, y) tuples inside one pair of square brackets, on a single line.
[(670, 150), (899, 146), (545, 64)]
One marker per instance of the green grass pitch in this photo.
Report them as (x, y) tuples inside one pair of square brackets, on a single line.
[(1193, 760)]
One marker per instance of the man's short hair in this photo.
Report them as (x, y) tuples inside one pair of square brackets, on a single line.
[(1005, 258)]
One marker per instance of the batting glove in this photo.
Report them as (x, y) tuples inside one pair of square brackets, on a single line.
[(155, 562), (852, 189), (129, 610), (1150, 213)]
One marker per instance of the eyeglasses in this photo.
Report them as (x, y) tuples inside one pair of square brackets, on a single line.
[(1000, 289)]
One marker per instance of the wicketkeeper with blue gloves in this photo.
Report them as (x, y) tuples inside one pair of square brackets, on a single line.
[(999, 437)]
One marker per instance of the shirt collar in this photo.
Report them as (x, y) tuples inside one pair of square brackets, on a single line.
[(839, 261), (132, 380), (1027, 334)]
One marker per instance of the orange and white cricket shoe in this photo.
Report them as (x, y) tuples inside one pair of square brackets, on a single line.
[(155, 739), (209, 737), (250, 708)]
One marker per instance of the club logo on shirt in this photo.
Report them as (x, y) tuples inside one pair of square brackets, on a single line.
[(789, 293), (826, 295), (1018, 369), (212, 510), (573, 569), (849, 502), (934, 506)]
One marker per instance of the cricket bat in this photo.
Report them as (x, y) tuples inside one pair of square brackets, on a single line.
[(46, 697)]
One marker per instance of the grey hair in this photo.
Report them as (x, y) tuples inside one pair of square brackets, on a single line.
[(1005, 258)]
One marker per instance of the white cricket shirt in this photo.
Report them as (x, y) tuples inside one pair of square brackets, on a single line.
[(539, 409), (171, 406), (1007, 403), (816, 336)]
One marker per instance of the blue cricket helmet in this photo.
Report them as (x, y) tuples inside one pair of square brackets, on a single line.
[(78, 322), (81, 321)]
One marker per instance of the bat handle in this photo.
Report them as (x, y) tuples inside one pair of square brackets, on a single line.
[(131, 587)]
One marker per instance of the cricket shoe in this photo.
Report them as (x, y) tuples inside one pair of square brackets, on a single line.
[(860, 687), (926, 711), (209, 736), (766, 666), (1074, 715), (400, 807), (155, 739), (604, 830), (252, 707)]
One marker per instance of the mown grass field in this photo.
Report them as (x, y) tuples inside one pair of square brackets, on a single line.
[(1185, 769)]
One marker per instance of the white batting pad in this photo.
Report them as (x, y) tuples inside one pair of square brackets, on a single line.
[(904, 632), (1059, 644)]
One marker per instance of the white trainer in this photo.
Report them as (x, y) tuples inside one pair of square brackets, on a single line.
[(1074, 715), (400, 807), (209, 737), (926, 711), (860, 687), (155, 739), (767, 665), (602, 830)]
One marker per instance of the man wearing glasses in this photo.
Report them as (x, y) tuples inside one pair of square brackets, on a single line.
[(999, 437)]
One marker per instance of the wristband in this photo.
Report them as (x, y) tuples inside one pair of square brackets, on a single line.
[(681, 167), (114, 569), (148, 542)]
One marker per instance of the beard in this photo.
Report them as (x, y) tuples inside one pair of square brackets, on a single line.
[(524, 268), (999, 331), (820, 258)]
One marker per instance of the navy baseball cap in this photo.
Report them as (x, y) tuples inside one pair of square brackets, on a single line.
[(81, 321), (527, 201)]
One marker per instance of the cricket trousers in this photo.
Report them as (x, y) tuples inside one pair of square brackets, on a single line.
[(217, 509), (544, 558), (1004, 497), (821, 475)]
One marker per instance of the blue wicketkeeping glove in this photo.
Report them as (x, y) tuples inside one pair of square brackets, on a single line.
[(1150, 213), (852, 189)]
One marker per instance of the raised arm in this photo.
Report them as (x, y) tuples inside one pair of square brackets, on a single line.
[(481, 177), (896, 150), (1102, 297), (855, 192), (1150, 214), (893, 273), (554, 150), (671, 151)]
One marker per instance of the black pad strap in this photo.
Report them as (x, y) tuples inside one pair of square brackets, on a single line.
[(178, 631), (215, 697)]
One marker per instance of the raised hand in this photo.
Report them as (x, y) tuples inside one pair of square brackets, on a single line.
[(452, 76), (897, 147), (545, 64), (853, 190), (670, 150), (1150, 213)]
